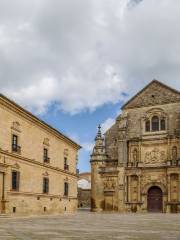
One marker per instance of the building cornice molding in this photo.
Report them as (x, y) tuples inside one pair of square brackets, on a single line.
[(40, 195), (46, 166), (32, 118)]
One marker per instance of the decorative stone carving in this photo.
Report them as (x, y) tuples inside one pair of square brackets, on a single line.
[(66, 152), (16, 126), (46, 141), (155, 156), (16, 166), (46, 174), (123, 121), (109, 184), (160, 178)]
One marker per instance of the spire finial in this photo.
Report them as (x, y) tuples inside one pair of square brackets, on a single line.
[(99, 135), (99, 128)]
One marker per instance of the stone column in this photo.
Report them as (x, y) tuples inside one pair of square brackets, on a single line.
[(169, 187), (129, 188), (168, 210), (139, 188)]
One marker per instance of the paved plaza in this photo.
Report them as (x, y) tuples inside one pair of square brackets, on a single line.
[(86, 225)]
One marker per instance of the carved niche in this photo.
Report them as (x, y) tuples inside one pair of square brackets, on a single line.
[(134, 188), (155, 156)]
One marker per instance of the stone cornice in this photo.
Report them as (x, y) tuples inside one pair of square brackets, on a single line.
[(32, 118), (47, 166), (40, 195)]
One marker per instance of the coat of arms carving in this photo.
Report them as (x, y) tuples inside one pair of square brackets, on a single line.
[(155, 156)]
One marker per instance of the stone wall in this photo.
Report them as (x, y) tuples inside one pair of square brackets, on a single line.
[(33, 136)]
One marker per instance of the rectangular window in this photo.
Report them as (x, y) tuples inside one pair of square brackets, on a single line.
[(46, 158), (66, 166), (15, 180), (15, 147), (46, 185), (66, 189)]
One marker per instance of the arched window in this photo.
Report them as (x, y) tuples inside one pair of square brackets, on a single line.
[(155, 124), (147, 125), (163, 124)]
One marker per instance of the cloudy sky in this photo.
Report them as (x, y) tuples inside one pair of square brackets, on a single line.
[(75, 62)]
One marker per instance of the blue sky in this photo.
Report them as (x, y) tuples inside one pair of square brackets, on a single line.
[(82, 127), (73, 62)]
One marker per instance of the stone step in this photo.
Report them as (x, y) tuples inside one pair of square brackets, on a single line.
[(2, 215)]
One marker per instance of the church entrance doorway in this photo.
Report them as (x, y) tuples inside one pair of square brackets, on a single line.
[(155, 200)]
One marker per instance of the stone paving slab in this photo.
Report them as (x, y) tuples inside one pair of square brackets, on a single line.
[(86, 225)]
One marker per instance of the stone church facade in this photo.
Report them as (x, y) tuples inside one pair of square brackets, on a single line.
[(136, 167), (37, 164)]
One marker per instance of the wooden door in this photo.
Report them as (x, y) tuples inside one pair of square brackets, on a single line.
[(154, 200)]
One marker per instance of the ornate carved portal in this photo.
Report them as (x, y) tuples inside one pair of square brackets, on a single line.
[(155, 200)]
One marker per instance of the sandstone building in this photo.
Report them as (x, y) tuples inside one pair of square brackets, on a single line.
[(37, 164), (137, 167), (84, 190)]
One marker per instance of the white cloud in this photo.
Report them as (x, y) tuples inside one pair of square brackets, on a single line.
[(41, 93), (107, 124), (83, 54), (84, 184), (88, 146)]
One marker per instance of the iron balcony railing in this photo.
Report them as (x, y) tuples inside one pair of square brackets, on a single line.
[(16, 148), (66, 167), (46, 159)]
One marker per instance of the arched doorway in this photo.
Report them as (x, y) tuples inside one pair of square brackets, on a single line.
[(155, 199)]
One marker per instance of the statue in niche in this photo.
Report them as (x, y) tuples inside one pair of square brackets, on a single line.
[(174, 153), (135, 155)]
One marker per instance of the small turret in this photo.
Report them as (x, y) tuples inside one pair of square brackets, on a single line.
[(99, 148), (98, 157)]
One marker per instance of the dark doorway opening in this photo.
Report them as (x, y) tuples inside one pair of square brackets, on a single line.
[(155, 200)]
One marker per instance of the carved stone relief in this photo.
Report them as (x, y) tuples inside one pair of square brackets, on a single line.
[(155, 156), (153, 178), (109, 183)]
